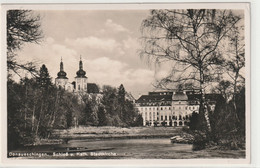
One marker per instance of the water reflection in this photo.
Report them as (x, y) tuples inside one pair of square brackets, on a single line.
[(134, 148)]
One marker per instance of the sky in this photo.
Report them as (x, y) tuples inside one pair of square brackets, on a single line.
[(107, 41)]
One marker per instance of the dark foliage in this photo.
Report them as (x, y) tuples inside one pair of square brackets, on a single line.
[(35, 109), (102, 116), (138, 122), (194, 121), (200, 141), (23, 26), (44, 79)]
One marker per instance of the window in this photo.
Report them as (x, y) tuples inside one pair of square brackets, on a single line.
[(186, 108), (169, 108), (179, 102), (161, 108), (78, 87), (165, 117), (161, 117)]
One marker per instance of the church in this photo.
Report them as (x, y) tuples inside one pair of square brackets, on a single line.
[(80, 85)]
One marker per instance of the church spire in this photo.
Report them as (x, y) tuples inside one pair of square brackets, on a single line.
[(81, 72), (61, 65), (80, 64), (62, 74)]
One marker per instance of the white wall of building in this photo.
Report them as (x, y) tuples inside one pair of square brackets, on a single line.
[(176, 113)]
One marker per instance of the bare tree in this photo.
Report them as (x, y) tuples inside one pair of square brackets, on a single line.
[(236, 61), (224, 88), (23, 26), (190, 39)]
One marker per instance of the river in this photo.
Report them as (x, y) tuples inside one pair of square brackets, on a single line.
[(152, 148), (135, 148)]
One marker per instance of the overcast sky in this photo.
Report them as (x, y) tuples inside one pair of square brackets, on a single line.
[(108, 42)]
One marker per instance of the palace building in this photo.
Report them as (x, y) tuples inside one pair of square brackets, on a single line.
[(158, 108), (80, 85), (171, 108)]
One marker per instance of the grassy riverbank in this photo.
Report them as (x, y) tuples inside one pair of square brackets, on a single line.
[(116, 132)]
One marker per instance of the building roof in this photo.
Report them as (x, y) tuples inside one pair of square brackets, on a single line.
[(61, 74), (92, 88), (81, 73), (179, 96), (212, 97), (154, 98), (160, 93)]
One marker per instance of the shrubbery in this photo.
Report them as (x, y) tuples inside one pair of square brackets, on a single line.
[(228, 126)]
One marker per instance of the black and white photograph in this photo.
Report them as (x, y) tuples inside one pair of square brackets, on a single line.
[(132, 83)]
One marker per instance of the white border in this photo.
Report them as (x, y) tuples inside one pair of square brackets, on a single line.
[(146, 162)]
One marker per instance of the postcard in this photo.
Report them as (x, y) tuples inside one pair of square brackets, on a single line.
[(129, 84)]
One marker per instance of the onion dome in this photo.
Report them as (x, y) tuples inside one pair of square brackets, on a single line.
[(81, 73), (62, 74)]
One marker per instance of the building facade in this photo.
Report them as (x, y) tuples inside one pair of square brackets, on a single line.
[(79, 85), (170, 108)]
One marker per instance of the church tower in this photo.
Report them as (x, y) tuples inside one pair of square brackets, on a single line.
[(61, 80), (81, 79)]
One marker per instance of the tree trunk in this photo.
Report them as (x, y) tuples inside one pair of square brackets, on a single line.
[(26, 107), (235, 80), (39, 120), (203, 105), (234, 97), (205, 110), (33, 117)]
